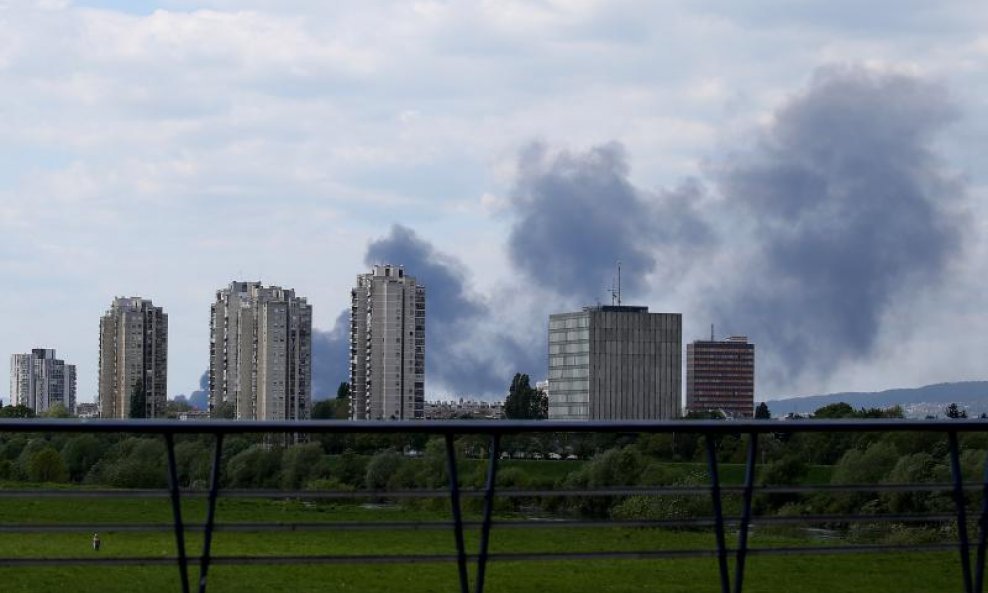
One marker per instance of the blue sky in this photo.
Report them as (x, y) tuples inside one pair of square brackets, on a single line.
[(165, 149)]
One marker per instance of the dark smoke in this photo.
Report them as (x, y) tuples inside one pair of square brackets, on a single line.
[(462, 353), (577, 215), (454, 319), (331, 357), (198, 399), (848, 208)]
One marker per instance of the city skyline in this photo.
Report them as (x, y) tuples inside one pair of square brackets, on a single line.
[(743, 162)]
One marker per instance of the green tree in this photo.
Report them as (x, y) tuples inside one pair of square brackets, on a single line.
[(343, 391), (837, 410), (762, 412), (224, 411), (525, 402), (954, 411), (57, 411), (138, 400), (46, 465), (18, 411)]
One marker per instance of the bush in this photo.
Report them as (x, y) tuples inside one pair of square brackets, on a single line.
[(46, 465)]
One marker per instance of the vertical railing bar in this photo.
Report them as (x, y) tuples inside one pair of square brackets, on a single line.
[(725, 585), (183, 563), (965, 549), (485, 528), (749, 486), (979, 570), (454, 497), (214, 487)]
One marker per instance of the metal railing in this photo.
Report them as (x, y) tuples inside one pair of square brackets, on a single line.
[(971, 573)]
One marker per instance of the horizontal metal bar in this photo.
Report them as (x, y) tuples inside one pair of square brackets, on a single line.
[(251, 527), (489, 427), (500, 557), (476, 492)]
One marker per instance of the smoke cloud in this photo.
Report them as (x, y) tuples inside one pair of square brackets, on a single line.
[(577, 215), (848, 208), (465, 352), (331, 357)]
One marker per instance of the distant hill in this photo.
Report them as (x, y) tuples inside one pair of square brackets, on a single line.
[(917, 402)]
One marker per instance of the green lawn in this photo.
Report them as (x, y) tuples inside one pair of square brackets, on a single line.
[(867, 572)]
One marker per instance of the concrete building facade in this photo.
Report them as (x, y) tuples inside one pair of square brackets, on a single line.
[(133, 360), (615, 363), (260, 348), (39, 381), (387, 346), (720, 376)]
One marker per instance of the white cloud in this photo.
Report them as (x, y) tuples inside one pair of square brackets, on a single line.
[(169, 150)]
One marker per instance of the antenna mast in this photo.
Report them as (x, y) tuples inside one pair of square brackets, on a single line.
[(619, 284), (712, 332)]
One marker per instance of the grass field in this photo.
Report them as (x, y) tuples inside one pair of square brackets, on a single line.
[(879, 573)]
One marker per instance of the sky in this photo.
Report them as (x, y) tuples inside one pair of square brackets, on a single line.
[(808, 174)]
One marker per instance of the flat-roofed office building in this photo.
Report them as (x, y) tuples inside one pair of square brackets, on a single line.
[(720, 377), (615, 363)]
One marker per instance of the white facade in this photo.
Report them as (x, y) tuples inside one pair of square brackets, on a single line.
[(261, 352), (387, 346), (39, 381)]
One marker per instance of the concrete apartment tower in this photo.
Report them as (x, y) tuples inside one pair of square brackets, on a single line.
[(133, 359), (615, 363), (720, 376), (39, 381), (260, 353), (387, 346)]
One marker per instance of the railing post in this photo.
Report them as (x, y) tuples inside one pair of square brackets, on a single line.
[(183, 562), (965, 549), (979, 570), (725, 585), (749, 485), (454, 497), (485, 529), (214, 486)]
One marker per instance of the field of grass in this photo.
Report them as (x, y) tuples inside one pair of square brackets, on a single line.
[(878, 573)]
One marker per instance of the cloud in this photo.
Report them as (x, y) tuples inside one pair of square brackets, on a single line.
[(848, 209), (577, 214)]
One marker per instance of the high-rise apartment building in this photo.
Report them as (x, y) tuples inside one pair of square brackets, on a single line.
[(720, 376), (260, 348), (615, 363), (39, 381), (133, 359), (387, 346)]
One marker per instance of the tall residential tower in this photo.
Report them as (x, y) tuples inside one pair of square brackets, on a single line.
[(133, 359), (387, 346), (260, 363), (615, 363), (39, 381)]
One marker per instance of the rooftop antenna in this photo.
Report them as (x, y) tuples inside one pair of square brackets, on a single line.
[(711, 332), (619, 284)]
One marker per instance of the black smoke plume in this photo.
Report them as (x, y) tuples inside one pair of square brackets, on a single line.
[(848, 208), (578, 214)]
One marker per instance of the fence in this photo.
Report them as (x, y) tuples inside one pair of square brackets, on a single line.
[(971, 573)]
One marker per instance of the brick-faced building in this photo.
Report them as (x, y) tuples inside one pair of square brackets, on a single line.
[(720, 376)]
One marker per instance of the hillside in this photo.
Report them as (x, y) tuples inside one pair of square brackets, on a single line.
[(917, 402)]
